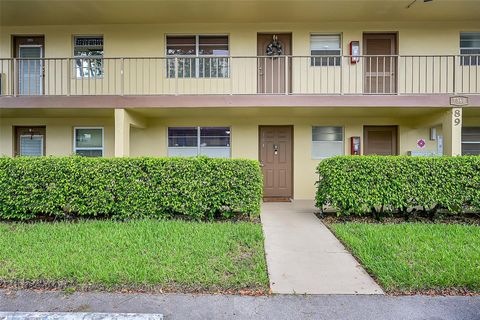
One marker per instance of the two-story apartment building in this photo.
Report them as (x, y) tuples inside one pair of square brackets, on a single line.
[(286, 82)]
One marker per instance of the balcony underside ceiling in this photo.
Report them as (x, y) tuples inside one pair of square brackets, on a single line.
[(66, 12), (234, 113)]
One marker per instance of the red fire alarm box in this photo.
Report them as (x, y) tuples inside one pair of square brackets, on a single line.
[(355, 146), (354, 52)]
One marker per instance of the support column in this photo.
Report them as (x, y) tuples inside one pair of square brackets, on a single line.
[(123, 120), (122, 134), (452, 132)]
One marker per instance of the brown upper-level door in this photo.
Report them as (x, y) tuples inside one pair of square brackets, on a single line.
[(29, 51), (380, 63), (272, 74), (380, 140), (30, 141), (276, 159)]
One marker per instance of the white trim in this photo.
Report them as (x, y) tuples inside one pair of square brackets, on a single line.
[(75, 148)]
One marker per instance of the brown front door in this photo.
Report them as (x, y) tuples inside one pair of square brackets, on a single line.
[(277, 159), (380, 63), (30, 141), (380, 140), (272, 50), (29, 50)]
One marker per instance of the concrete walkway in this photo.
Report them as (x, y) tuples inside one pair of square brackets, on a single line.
[(303, 256), (279, 307)]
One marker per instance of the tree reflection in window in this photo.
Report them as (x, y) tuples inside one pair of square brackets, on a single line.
[(88, 53)]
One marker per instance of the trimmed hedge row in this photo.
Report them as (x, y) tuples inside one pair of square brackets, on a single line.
[(128, 187), (378, 184)]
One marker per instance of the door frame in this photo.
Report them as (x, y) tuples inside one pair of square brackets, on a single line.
[(396, 139), (16, 141), (20, 41), (288, 89), (381, 35), (292, 158)]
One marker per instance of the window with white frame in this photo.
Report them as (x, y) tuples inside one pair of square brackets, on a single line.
[(213, 142), (88, 142), (470, 48), (198, 56), (88, 53), (325, 49), (327, 142)]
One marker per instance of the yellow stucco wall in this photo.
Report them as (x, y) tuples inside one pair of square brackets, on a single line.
[(440, 38), (149, 40), (142, 76), (152, 140), (59, 133), (148, 131)]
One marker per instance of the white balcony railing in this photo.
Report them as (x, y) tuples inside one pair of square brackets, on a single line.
[(288, 75)]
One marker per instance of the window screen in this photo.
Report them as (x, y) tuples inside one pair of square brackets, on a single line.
[(471, 141), (327, 142), (470, 48), (193, 141), (326, 50)]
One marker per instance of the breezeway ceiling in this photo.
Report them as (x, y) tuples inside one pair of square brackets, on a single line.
[(61, 12)]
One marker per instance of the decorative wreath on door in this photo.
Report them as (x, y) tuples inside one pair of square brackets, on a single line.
[(274, 48)]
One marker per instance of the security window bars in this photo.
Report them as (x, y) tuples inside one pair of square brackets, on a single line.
[(88, 53), (326, 49), (194, 141), (327, 142), (199, 56)]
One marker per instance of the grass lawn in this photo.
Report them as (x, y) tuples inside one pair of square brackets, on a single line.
[(415, 257), (173, 255)]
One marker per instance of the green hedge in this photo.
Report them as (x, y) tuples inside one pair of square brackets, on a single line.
[(128, 187), (365, 184)]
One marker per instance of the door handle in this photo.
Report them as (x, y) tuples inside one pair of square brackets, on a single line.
[(262, 165)]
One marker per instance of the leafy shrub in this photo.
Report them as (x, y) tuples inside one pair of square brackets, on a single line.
[(128, 187), (378, 184)]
